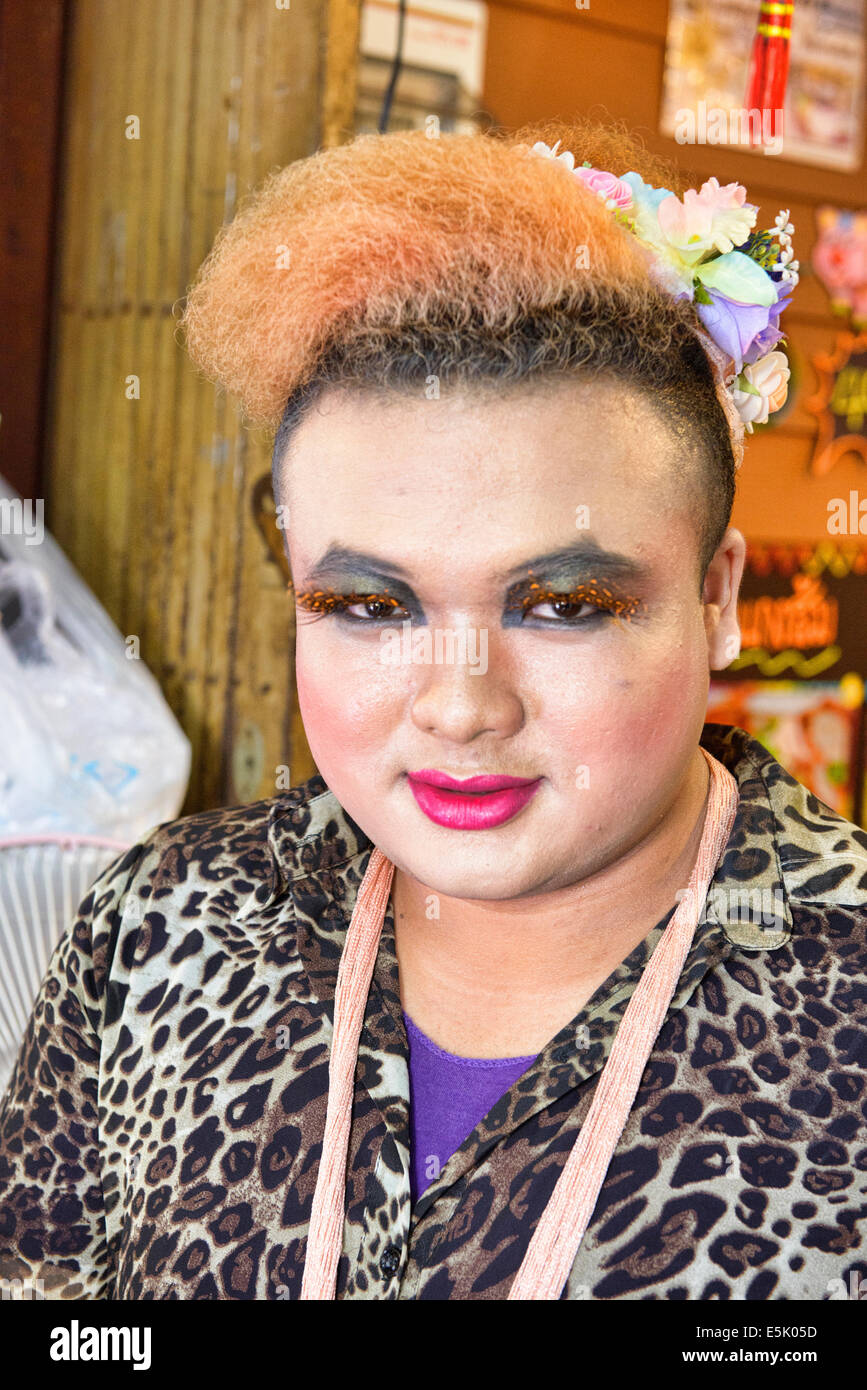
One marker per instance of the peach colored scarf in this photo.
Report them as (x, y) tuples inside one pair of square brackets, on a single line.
[(558, 1235)]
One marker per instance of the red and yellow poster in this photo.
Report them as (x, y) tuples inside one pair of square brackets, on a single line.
[(798, 683)]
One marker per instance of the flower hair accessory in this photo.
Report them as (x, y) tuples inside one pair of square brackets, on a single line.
[(705, 249)]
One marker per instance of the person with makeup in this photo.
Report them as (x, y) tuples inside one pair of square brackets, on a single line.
[(541, 987)]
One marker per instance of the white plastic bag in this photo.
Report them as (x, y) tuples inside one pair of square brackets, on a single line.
[(87, 741)]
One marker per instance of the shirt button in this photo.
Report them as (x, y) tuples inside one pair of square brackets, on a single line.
[(389, 1260)]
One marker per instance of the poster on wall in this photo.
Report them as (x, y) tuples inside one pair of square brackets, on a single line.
[(442, 66), (798, 683), (706, 65), (810, 727)]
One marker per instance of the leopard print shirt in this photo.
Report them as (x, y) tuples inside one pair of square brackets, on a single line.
[(161, 1132)]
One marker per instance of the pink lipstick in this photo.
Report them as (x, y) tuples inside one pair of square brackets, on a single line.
[(473, 803)]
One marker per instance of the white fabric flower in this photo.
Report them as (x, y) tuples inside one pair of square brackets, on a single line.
[(769, 378), (566, 157)]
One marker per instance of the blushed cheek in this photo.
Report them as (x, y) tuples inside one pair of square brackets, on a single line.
[(651, 728), (664, 733), (344, 709), (622, 733), (328, 721)]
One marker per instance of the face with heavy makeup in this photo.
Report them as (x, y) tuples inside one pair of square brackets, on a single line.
[(504, 583)]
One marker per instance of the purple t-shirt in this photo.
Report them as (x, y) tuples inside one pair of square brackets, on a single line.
[(448, 1097)]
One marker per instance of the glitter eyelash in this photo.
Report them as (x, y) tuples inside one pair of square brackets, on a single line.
[(603, 598), (323, 602)]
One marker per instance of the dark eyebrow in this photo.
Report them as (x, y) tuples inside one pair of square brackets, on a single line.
[(339, 559), (554, 566)]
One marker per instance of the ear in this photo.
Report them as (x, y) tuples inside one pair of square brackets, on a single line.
[(720, 599)]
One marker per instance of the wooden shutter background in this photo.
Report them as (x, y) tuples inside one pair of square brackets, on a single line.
[(162, 500)]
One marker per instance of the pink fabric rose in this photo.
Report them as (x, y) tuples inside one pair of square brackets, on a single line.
[(612, 189)]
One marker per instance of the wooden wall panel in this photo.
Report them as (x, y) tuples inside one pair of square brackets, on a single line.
[(153, 497)]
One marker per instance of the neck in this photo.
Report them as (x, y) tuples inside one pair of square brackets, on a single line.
[(494, 979)]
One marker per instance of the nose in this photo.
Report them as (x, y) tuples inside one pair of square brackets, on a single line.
[(457, 701)]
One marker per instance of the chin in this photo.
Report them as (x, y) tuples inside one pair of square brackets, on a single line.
[(470, 869), (465, 883)]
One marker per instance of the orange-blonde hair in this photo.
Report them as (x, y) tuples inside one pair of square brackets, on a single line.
[(398, 256)]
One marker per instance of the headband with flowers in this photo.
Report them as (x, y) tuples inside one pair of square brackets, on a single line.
[(739, 294)]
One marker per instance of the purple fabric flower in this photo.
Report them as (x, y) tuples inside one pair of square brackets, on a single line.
[(746, 332)]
